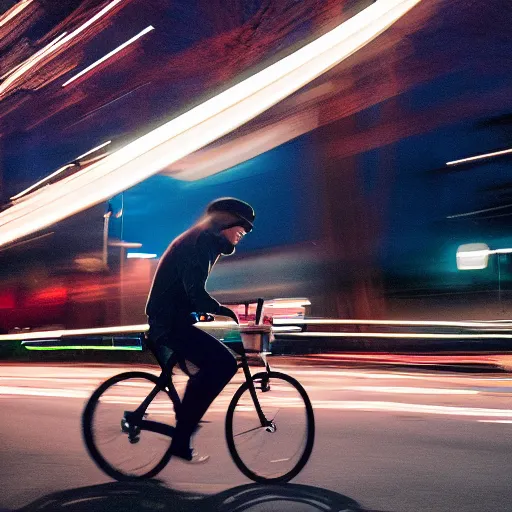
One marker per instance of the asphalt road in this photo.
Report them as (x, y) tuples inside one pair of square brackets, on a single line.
[(397, 441)]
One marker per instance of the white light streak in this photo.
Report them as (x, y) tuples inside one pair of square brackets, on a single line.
[(341, 374), (421, 323), (61, 393), (108, 55), (58, 171), (126, 245), (94, 149), (287, 303), (412, 408), (41, 182), (140, 255), (469, 214), (199, 126), (14, 11), (485, 415), (394, 335), (60, 380), (479, 157), (26, 66), (51, 335), (32, 57), (411, 390), (495, 421), (290, 328), (106, 331), (11, 71)]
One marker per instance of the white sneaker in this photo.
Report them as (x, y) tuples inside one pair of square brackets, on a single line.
[(192, 457), (197, 458)]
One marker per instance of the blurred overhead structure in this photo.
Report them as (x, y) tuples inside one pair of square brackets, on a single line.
[(196, 128), (353, 165)]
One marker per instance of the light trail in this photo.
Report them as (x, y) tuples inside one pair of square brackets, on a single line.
[(199, 126), (420, 323), (44, 180), (495, 421), (60, 380), (140, 255), (32, 61), (14, 11), (46, 392), (410, 390), (58, 171), (476, 212), (444, 410), (121, 329), (108, 55), (82, 347), (393, 335), (52, 335), (385, 375), (483, 414), (479, 157), (93, 150), (32, 57)]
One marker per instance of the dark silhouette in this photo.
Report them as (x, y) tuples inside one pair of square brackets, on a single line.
[(153, 496), (178, 291)]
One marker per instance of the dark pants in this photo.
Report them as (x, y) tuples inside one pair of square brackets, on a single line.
[(216, 364)]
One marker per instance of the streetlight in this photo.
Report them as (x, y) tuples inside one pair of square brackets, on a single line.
[(476, 257)]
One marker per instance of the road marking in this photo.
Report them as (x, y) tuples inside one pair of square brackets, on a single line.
[(411, 390)]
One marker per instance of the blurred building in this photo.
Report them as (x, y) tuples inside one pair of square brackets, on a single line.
[(357, 209)]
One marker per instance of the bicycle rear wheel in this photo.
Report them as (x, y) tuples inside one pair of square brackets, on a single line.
[(276, 452), (118, 442)]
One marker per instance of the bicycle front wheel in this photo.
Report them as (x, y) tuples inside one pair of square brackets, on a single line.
[(278, 451), (123, 448)]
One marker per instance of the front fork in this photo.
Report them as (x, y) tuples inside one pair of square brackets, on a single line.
[(265, 386)]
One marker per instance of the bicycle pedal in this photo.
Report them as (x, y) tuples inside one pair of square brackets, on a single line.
[(271, 428)]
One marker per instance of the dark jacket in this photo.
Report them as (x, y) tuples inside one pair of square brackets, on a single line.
[(178, 287)]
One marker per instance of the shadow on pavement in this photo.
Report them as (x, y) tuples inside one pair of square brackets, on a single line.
[(153, 496)]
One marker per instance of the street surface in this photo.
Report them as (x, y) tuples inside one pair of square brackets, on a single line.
[(386, 440)]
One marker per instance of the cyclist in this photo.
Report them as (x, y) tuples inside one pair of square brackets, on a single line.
[(178, 291)]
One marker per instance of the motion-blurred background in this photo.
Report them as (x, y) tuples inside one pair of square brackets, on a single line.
[(360, 208)]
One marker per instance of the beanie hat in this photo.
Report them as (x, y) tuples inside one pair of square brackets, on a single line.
[(236, 207)]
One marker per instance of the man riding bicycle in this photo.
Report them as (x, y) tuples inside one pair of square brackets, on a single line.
[(178, 291)]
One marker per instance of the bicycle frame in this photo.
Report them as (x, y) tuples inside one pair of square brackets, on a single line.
[(244, 364), (136, 418)]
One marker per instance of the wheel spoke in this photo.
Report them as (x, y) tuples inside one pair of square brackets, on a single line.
[(129, 452), (247, 431), (277, 453)]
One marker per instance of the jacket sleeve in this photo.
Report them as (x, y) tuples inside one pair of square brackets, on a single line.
[(194, 276)]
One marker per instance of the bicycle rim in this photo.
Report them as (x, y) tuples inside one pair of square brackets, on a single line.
[(278, 453), (120, 449)]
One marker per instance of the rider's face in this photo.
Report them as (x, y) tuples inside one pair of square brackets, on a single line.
[(234, 234)]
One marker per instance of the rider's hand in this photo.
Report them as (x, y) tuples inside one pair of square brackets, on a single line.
[(224, 311)]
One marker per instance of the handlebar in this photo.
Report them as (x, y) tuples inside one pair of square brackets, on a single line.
[(207, 317)]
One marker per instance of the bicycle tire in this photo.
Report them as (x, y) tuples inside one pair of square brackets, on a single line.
[(88, 429), (310, 429)]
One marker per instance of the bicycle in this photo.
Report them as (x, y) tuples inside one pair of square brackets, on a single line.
[(264, 447)]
